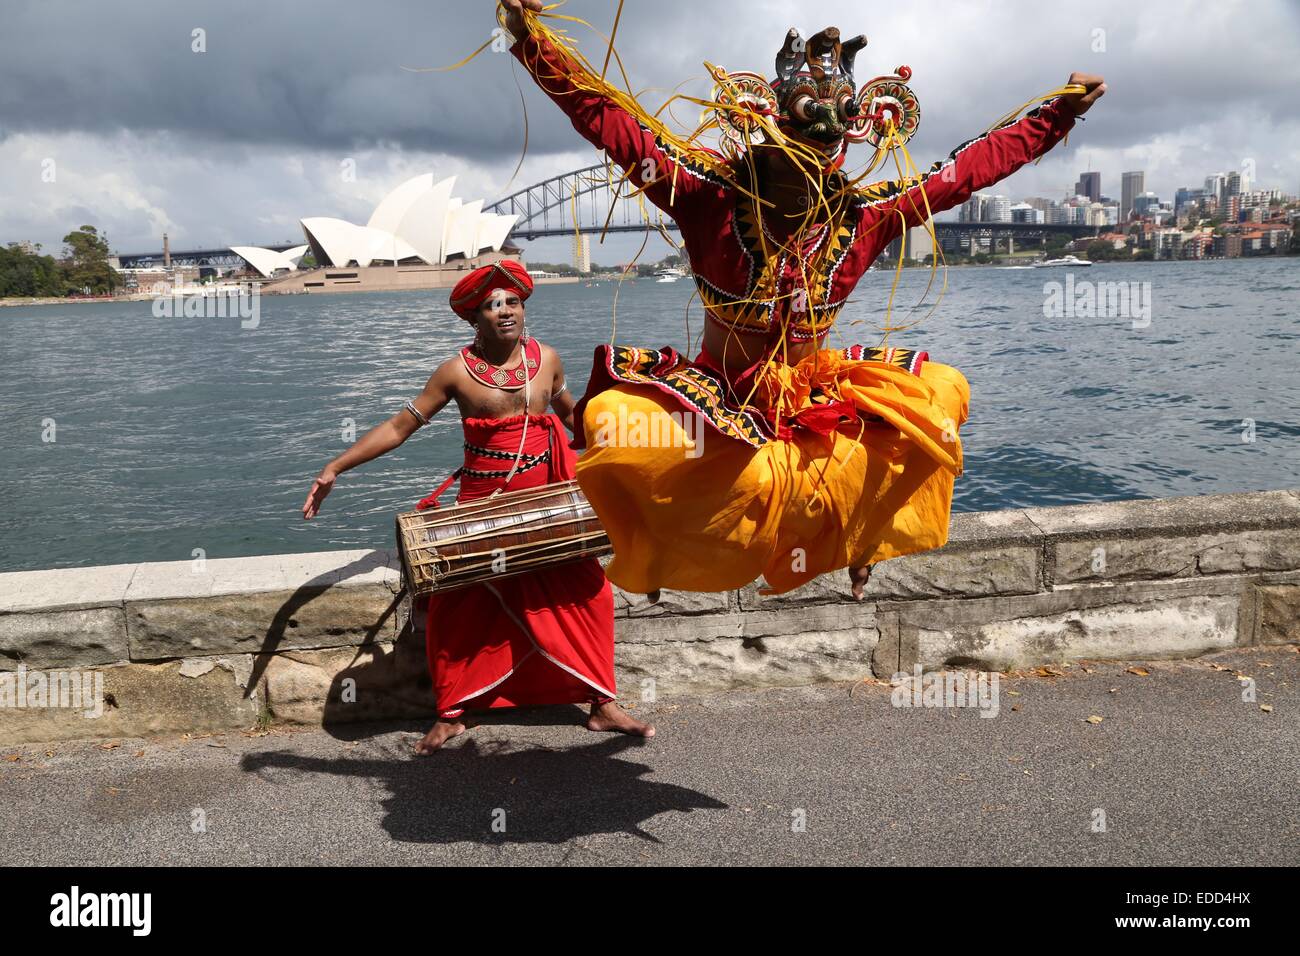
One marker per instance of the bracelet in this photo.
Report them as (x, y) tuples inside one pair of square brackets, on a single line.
[(410, 407), (563, 386)]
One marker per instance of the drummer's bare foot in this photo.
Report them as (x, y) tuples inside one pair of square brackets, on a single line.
[(441, 732), (859, 578), (610, 716)]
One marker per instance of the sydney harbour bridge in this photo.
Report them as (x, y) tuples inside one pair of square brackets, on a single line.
[(591, 200)]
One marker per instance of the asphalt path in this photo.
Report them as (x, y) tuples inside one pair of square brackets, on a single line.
[(1178, 769)]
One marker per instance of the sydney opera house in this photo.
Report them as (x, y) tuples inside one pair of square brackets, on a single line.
[(418, 237)]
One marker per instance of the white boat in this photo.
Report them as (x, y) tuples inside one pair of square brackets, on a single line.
[(1064, 261), (213, 291), (669, 275)]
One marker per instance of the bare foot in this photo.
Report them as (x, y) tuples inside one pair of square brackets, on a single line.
[(859, 578), (610, 716), (439, 734)]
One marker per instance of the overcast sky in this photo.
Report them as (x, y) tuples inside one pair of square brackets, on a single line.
[(236, 144)]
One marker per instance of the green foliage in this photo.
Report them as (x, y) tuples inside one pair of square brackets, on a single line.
[(86, 254), (1100, 250), (24, 273)]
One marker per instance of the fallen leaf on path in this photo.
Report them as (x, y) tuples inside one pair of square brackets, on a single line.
[(109, 745), (1266, 708), (1139, 671), (1094, 719)]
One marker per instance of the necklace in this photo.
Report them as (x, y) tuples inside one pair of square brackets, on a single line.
[(493, 376)]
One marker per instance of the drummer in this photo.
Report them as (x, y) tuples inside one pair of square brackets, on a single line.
[(545, 637)]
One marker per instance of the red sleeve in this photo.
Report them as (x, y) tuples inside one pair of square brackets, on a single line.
[(972, 166), (606, 125)]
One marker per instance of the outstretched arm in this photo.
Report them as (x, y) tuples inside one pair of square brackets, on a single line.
[(383, 438), (671, 181), (976, 164)]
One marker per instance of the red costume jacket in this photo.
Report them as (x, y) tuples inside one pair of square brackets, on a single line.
[(745, 280)]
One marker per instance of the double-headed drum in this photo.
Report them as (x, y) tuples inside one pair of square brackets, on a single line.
[(492, 538)]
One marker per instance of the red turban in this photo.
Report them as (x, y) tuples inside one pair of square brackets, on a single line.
[(473, 290)]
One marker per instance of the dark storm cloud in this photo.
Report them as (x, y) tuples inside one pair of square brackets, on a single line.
[(318, 75), (238, 143), (327, 75)]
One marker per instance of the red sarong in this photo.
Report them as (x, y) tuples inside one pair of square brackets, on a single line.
[(546, 637)]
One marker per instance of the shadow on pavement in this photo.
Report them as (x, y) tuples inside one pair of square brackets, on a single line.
[(498, 793)]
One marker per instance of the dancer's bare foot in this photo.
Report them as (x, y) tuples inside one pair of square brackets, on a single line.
[(859, 578), (440, 733), (610, 716)]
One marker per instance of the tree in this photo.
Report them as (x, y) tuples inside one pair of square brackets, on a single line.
[(86, 254), (24, 272)]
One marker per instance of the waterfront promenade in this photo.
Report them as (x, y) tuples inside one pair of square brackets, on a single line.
[(1178, 771)]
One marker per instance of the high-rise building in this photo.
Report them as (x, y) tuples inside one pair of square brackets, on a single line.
[(1214, 187), (1023, 212), (1185, 196), (1132, 186), (1089, 185), (973, 209), (998, 209), (582, 252), (1145, 204)]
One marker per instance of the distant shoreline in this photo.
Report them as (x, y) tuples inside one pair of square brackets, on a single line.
[(55, 300), (573, 280)]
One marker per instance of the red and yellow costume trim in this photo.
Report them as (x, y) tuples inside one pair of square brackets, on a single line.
[(843, 459), (485, 373)]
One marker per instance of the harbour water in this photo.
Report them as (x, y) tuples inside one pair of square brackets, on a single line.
[(175, 434)]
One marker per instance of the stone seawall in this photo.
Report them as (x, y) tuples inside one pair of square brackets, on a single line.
[(324, 638)]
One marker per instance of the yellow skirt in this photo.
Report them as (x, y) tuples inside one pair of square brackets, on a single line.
[(690, 509)]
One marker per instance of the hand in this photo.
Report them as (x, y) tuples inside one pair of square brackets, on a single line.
[(515, 14), (321, 487), (1080, 103)]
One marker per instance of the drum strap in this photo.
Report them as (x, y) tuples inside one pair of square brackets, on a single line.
[(528, 410), (431, 500)]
